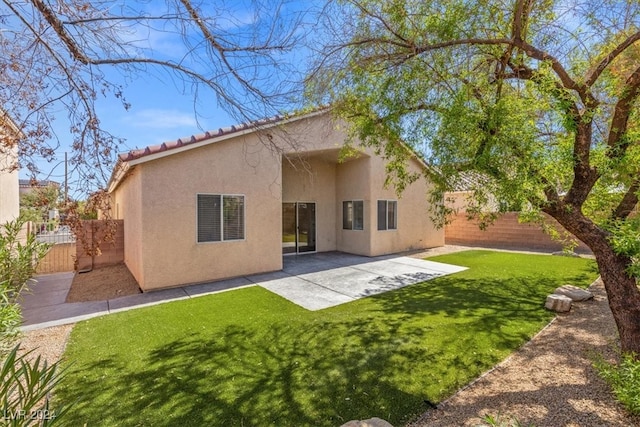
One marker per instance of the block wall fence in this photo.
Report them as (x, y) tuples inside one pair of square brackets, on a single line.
[(505, 233), (95, 234)]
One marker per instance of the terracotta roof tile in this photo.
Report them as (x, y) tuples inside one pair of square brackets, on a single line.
[(180, 142)]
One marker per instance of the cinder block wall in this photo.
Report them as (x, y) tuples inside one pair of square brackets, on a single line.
[(504, 233), (95, 234)]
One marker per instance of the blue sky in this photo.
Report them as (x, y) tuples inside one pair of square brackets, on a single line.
[(162, 107), (159, 112)]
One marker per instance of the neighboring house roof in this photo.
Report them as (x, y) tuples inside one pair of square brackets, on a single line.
[(468, 180), (27, 183)]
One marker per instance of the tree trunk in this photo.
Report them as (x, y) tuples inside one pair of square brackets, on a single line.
[(624, 298), (622, 289)]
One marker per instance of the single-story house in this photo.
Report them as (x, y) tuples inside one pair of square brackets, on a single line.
[(232, 202)]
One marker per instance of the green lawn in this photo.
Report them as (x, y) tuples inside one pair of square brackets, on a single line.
[(250, 358)]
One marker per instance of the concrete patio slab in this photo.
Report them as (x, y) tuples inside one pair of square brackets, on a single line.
[(265, 277), (337, 278), (309, 266), (45, 299), (55, 281), (345, 280), (389, 268), (304, 293), (313, 281), (43, 317), (431, 265)]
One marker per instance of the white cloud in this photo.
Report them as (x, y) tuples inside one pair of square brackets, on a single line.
[(161, 119)]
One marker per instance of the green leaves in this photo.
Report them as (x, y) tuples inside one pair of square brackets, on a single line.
[(522, 96), (625, 239), (19, 255), (25, 382), (25, 388), (624, 379)]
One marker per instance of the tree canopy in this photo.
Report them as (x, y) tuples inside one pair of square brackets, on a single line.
[(538, 97), (58, 59)]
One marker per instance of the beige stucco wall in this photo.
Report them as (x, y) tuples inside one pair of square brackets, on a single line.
[(313, 180), (157, 200), (170, 254), (127, 204), (415, 228), (354, 184), (9, 189), (363, 178)]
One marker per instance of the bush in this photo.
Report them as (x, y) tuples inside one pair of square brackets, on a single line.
[(25, 388), (624, 379), (25, 383), (19, 257)]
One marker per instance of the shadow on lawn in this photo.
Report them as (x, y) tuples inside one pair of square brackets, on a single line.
[(324, 374), (383, 361)]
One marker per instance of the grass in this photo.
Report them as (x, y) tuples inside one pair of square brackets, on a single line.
[(251, 358), (624, 379)]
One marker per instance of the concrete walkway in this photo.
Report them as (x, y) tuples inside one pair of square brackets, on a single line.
[(314, 281)]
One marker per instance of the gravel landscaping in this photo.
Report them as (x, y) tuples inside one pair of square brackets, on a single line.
[(49, 343), (550, 381)]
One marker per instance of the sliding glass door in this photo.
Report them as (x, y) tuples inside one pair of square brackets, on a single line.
[(298, 227)]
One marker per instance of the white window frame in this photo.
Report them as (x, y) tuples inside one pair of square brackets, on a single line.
[(353, 216), (386, 215), (222, 237)]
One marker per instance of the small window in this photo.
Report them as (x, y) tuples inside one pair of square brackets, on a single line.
[(387, 215), (220, 217), (353, 215)]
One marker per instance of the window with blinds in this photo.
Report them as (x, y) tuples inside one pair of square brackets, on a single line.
[(353, 215), (220, 217), (387, 215)]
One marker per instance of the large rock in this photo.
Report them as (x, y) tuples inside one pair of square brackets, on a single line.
[(558, 303), (574, 292), (371, 422)]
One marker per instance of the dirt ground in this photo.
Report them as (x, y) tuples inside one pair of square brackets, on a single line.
[(102, 284)]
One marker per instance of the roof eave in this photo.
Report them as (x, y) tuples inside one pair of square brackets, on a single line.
[(218, 138), (119, 172)]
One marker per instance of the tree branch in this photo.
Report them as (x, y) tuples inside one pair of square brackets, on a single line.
[(620, 119), (593, 74), (628, 202), (521, 13), (58, 27)]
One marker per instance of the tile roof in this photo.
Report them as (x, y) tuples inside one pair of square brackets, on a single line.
[(36, 183), (126, 160), (181, 142)]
